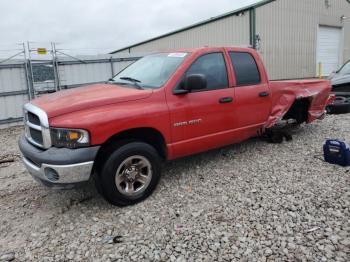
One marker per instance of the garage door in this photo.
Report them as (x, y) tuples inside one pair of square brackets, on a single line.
[(328, 49)]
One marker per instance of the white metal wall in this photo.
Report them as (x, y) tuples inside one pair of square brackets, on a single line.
[(80, 73), (74, 74), (288, 29), (13, 90), (233, 30)]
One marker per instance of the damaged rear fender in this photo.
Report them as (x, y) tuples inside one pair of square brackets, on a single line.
[(288, 93)]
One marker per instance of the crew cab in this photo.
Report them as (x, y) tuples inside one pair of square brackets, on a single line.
[(164, 106)]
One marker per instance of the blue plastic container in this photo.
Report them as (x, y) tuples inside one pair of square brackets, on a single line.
[(336, 152)]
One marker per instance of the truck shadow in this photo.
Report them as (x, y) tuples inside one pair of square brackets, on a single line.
[(174, 173)]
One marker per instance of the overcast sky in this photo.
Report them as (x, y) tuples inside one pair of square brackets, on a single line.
[(97, 26)]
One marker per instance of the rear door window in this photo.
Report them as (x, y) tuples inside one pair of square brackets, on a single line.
[(245, 69)]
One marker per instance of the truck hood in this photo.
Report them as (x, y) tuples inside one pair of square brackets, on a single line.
[(86, 97)]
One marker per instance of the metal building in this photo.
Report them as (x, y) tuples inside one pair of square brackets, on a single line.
[(296, 38)]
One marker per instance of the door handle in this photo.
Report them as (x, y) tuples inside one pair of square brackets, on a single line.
[(264, 94), (227, 99)]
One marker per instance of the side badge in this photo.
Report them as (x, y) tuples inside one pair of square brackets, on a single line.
[(189, 122)]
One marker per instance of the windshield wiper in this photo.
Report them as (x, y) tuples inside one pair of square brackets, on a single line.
[(127, 78), (130, 79), (136, 82)]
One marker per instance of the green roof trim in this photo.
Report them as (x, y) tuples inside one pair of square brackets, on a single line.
[(252, 27), (207, 21)]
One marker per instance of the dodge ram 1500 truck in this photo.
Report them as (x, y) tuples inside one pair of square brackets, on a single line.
[(164, 106)]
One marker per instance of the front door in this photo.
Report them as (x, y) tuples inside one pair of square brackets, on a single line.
[(202, 119)]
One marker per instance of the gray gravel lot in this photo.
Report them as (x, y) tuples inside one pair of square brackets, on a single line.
[(249, 202)]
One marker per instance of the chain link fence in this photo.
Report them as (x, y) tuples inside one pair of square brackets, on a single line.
[(24, 77)]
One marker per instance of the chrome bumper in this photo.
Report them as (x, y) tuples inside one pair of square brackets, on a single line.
[(58, 167), (60, 174)]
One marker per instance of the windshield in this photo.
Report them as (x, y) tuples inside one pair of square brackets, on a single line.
[(151, 71), (345, 70)]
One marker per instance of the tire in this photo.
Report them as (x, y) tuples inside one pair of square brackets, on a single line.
[(340, 106), (130, 173)]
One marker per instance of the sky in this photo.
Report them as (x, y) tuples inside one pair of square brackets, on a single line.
[(99, 26)]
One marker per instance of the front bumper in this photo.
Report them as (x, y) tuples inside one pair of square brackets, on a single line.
[(58, 167)]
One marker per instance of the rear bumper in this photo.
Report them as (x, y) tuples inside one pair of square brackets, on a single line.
[(58, 167)]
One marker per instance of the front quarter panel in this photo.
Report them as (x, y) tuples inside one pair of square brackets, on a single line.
[(105, 121)]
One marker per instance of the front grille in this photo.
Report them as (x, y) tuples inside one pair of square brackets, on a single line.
[(34, 119), (36, 135), (33, 129), (36, 126)]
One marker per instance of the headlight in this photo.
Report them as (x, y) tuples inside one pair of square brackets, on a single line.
[(71, 138)]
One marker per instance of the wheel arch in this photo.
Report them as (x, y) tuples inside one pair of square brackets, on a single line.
[(147, 135), (298, 110)]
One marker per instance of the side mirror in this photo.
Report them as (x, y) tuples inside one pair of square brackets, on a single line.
[(195, 82), (191, 82)]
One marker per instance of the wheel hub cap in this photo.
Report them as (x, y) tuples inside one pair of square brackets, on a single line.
[(133, 175)]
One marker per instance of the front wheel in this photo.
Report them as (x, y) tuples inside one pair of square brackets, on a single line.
[(130, 173)]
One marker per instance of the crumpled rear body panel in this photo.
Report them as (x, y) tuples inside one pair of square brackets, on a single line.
[(284, 93)]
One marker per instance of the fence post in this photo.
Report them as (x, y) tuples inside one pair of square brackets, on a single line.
[(55, 67), (26, 71), (112, 69), (31, 71)]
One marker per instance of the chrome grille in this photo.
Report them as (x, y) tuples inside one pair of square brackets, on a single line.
[(34, 119), (36, 136), (36, 126)]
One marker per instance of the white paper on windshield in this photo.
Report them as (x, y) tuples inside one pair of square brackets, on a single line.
[(177, 54)]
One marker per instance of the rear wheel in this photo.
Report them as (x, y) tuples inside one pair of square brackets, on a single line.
[(130, 173)]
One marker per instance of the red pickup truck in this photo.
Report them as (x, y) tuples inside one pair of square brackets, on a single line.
[(164, 106)]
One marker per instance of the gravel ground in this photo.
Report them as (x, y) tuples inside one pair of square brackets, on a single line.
[(250, 202)]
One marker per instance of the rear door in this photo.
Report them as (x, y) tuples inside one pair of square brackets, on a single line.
[(252, 94)]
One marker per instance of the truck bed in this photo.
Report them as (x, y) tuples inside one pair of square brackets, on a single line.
[(285, 92)]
